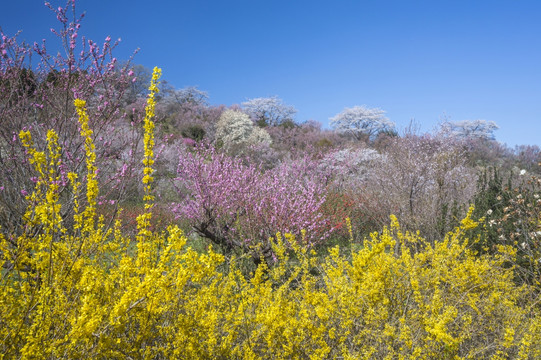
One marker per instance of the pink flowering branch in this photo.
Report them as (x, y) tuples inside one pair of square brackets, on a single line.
[(39, 95)]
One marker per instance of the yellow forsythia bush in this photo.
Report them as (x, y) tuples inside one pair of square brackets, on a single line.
[(86, 292)]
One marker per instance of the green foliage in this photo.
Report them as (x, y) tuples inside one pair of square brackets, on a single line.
[(491, 198), (512, 216), (286, 124), (324, 144), (194, 132)]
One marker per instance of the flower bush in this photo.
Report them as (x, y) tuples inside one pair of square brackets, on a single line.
[(238, 206)]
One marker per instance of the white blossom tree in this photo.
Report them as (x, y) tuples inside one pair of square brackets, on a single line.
[(361, 121), (423, 180), (236, 127), (351, 168), (259, 136), (187, 95), (269, 111), (470, 129)]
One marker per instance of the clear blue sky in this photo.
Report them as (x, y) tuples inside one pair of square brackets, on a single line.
[(464, 59)]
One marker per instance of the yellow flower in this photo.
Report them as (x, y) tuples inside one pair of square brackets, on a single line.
[(92, 188), (467, 222), (143, 220)]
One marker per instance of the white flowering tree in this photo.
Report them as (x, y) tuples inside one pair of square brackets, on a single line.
[(424, 181), (351, 168), (188, 95), (470, 129), (236, 127), (269, 111), (361, 121), (259, 136)]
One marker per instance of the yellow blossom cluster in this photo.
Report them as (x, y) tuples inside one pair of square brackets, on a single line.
[(143, 221), (92, 189), (384, 302), (148, 159)]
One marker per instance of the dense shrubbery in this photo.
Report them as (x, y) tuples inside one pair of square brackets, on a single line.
[(283, 248)]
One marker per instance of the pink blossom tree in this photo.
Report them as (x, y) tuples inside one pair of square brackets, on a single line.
[(238, 206), (39, 95)]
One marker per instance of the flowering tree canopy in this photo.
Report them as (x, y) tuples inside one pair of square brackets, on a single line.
[(188, 95), (235, 127), (239, 206), (471, 129), (362, 121), (269, 111), (351, 168)]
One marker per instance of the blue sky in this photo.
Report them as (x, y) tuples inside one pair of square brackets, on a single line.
[(422, 60)]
